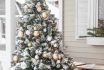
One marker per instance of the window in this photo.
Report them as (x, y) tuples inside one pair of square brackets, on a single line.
[(2, 21), (86, 16)]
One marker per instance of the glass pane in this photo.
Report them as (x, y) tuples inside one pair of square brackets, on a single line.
[(101, 13), (2, 7)]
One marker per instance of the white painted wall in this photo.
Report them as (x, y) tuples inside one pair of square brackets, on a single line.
[(78, 49)]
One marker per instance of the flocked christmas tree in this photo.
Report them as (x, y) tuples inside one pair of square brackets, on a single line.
[(38, 40)]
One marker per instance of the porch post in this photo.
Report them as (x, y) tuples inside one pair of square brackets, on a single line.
[(10, 32)]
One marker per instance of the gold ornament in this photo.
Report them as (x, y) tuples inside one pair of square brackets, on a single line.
[(50, 49), (36, 33), (55, 56), (29, 44), (45, 14), (20, 34), (15, 58), (45, 55), (39, 8)]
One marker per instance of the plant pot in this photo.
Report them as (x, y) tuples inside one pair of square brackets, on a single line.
[(95, 40)]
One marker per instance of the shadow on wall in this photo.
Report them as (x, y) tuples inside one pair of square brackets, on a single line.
[(1, 68), (2, 48)]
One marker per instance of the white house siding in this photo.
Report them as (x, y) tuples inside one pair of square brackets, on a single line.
[(78, 49)]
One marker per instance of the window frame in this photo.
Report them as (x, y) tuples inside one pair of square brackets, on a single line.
[(92, 17)]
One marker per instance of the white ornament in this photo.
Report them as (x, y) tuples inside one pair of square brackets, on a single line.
[(23, 65), (53, 42), (49, 38), (55, 45), (58, 61), (36, 57), (28, 32), (44, 30)]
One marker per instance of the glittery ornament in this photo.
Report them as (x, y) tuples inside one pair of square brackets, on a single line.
[(36, 33), (36, 57), (30, 44), (55, 56), (20, 34), (15, 58), (45, 14), (49, 38), (28, 32), (44, 30), (45, 55), (39, 8), (23, 65), (55, 45)]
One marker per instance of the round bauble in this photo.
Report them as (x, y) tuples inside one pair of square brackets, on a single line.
[(58, 61), (36, 33), (39, 8), (55, 56), (23, 65), (30, 44), (36, 57), (45, 55), (20, 33), (44, 30), (53, 42), (55, 45), (45, 15), (15, 58), (28, 32), (49, 49), (49, 38)]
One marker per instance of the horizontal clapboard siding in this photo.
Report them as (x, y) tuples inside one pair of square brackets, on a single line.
[(78, 49)]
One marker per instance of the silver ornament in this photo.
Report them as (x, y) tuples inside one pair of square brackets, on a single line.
[(53, 42), (49, 38), (55, 45), (28, 32), (58, 61), (35, 61), (44, 30), (36, 57), (23, 65)]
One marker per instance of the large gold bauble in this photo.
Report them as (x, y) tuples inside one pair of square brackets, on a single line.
[(45, 15), (36, 33), (55, 56), (15, 58), (20, 34)]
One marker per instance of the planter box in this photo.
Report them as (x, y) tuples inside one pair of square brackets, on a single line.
[(95, 40)]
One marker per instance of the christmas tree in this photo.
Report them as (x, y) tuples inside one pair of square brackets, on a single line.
[(38, 40)]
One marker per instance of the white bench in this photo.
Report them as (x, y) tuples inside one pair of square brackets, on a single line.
[(84, 66)]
